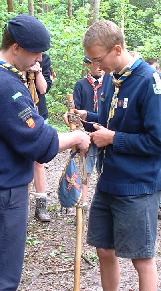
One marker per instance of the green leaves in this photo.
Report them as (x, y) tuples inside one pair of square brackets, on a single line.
[(141, 23), (67, 51), (142, 26)]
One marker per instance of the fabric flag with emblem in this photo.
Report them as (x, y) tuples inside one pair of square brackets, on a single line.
[(70, 189)]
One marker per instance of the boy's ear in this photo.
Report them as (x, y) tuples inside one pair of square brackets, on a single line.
[(15, 48), (118, 49)]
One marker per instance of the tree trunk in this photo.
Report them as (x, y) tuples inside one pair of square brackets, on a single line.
[(94, 11), (122, 15), (31, 7), (46, 8), (10, 5), (70, 8), (40, 6)]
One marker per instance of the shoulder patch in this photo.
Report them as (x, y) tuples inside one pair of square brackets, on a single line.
[(15, 96), (30, 122)]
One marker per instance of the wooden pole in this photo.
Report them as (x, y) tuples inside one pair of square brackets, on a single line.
[(78, 249), (32, 87), (79, 219)]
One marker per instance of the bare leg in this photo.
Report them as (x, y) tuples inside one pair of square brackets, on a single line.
[(39, 178), (110, 269), (41, 196), (147, 272)]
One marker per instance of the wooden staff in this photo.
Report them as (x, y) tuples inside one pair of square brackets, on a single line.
[(78, 249), (79, 217), (32, 87)]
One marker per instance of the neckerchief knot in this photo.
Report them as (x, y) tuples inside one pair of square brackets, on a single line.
[(96, 84), (117, 83)]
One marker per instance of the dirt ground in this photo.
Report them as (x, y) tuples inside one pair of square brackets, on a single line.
[(49, 257)]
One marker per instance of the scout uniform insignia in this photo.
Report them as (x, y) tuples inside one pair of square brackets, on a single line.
[(30, 122)]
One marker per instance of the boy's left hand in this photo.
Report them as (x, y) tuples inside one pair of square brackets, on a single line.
[(102, 136)]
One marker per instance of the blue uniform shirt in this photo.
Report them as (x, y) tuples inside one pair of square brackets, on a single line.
[(24, 137), (84, 97), (132, 164)]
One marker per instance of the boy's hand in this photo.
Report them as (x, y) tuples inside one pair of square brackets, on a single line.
[(102, 136)]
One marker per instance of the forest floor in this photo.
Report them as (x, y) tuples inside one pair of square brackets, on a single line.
[(49, 256)]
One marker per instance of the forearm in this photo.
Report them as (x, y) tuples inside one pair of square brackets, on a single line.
[(70, 139), (41, 84), (139, 144)]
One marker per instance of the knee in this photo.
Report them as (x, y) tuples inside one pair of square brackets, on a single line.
[(38, 166), (141, 265), (106, 254)]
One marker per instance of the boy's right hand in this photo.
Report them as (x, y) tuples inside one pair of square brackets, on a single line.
[(82, 114), (83, 140)]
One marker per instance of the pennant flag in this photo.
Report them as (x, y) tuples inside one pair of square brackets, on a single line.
[(70, 188)]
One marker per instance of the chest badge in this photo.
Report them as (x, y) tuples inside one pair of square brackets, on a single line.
[(122, 103), (125, 103)]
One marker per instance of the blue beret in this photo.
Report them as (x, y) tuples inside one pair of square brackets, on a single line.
[(29, 33)]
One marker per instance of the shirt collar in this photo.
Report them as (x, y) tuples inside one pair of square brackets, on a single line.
[(128, 66)]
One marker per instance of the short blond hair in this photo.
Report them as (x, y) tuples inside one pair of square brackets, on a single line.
[(104, 33)]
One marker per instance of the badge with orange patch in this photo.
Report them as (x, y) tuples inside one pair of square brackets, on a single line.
[(30, 122)]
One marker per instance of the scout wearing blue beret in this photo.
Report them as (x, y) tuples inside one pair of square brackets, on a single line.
[(29, 33), (24, 138)]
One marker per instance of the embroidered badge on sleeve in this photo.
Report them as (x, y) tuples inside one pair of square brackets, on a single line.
[(30, 122), (17, 95), (25, 114)]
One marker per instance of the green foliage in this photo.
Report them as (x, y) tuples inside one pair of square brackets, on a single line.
[(32, 241), (60, 252), (143, 4), (66, 51), (92, 257), (56, 112), (4, 16), (55, 107), (142, 26)]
